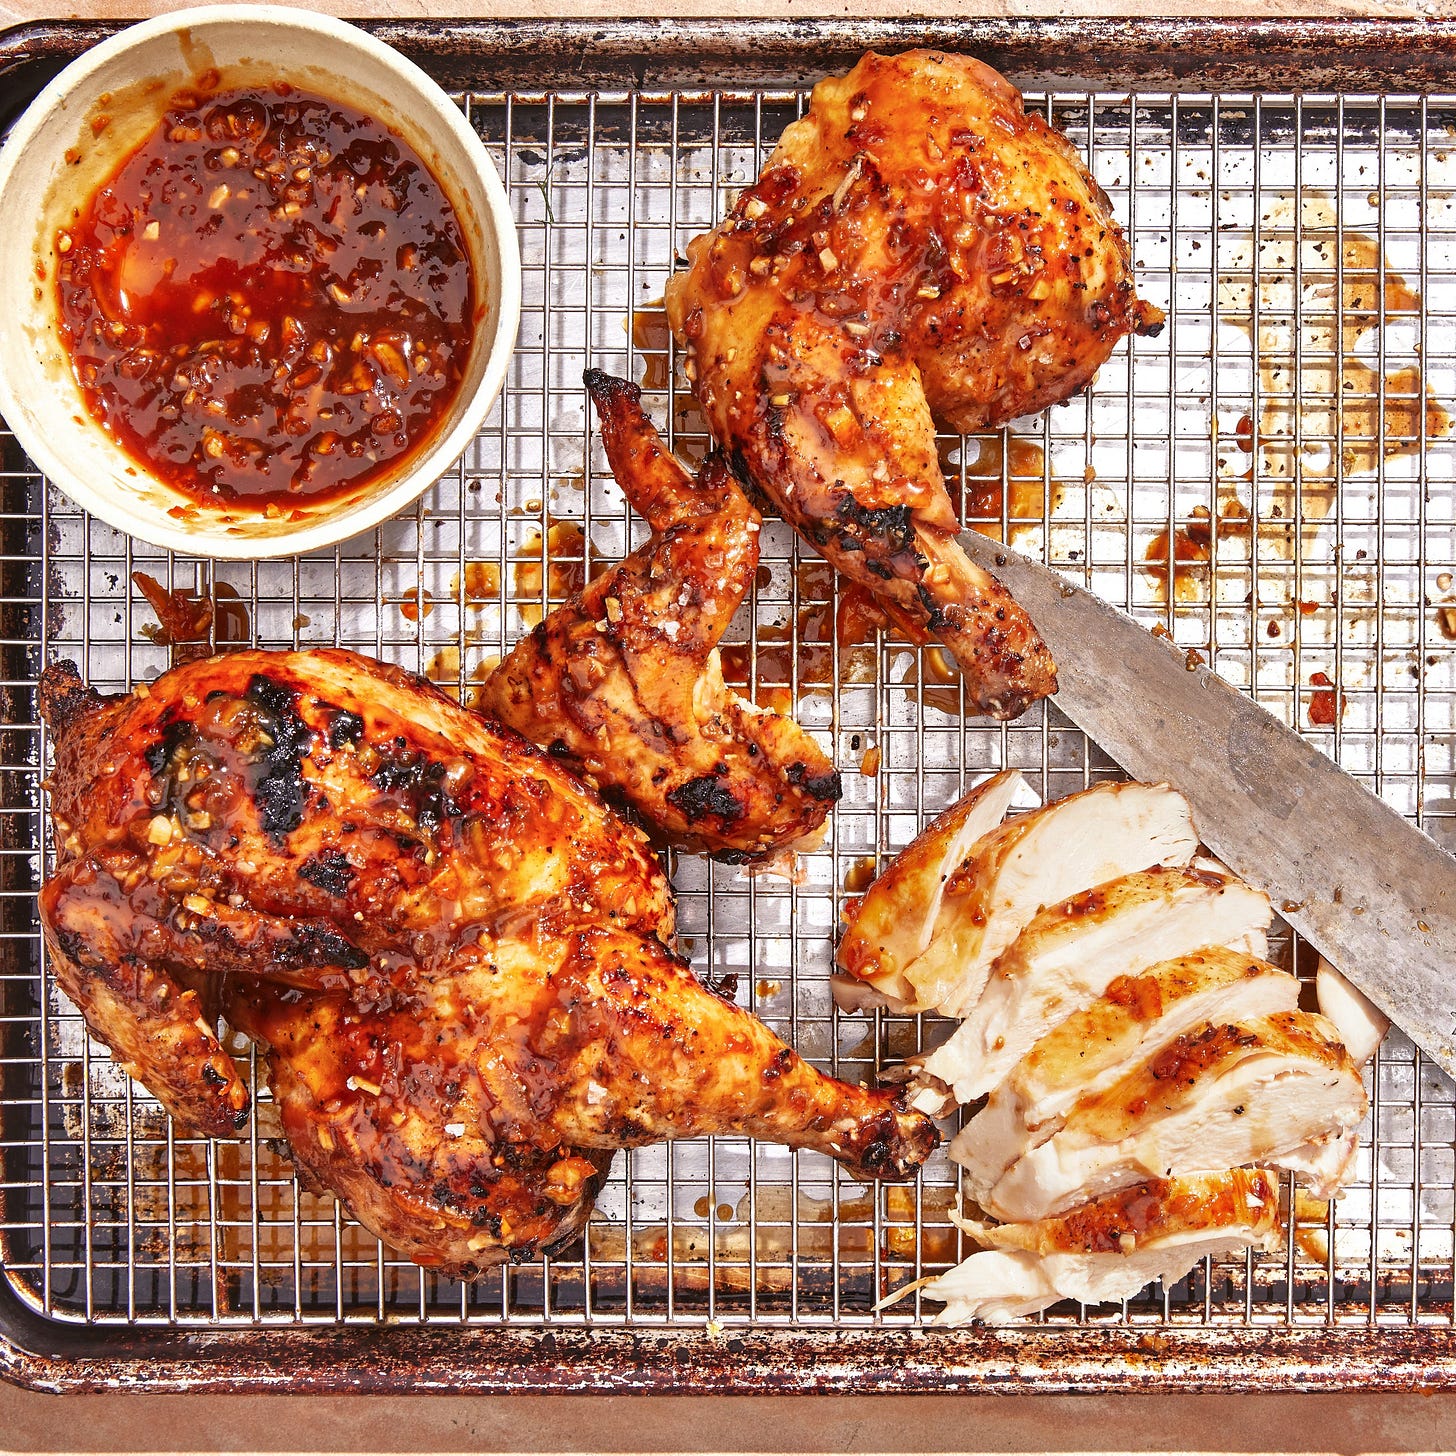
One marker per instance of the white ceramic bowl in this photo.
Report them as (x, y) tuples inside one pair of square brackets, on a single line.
[(130, 79)]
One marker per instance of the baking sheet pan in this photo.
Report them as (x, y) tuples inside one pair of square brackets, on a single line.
[(1290, 195)]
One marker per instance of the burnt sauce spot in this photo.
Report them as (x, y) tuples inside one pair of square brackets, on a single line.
[(935, 619), (344, 727), (878, 1159), (173, 760), (890, 525), (825, 787), (329, 870), (162, 756), (311, 944), (702, 796), (278, 789), (420, 782)]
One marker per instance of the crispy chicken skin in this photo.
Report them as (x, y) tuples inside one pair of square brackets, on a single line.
[(624, 682), (454, 954), (917, 248)]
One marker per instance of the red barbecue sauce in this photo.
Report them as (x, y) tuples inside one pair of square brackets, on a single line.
[(269, 301)]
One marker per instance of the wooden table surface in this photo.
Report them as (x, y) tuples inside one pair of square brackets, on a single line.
[(1344, 1423)]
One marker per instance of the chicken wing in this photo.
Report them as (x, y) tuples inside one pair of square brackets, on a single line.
[(917, 247), (624, 681), (456, 957)]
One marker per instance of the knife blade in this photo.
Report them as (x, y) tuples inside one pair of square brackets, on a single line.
[(1373, 893)]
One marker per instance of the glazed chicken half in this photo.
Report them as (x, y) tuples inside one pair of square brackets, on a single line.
[(624, 681), (456, 957), (918, 248)]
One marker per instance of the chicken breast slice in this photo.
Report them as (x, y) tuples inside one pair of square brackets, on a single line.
[(1071, 952), (1111, 1248), (1039, 859), (893, 921), (1221, 1096), (1136, 1017), (1362, 1024), (1325, 1163)]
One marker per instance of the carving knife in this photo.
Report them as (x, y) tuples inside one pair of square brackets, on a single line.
[(1368, 889)]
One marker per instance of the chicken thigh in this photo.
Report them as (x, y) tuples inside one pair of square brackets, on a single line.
[(918, 247), (456, 957)]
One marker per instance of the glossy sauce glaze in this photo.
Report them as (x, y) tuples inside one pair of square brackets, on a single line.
[(270, 299)]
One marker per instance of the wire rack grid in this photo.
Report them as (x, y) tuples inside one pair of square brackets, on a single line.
[(1271, 480)]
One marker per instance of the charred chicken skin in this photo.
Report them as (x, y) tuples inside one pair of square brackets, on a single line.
[(917, 248), (456, 957), (624, 682)]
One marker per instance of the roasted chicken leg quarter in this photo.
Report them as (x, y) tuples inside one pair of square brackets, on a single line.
[(918, 247), (455, 956)]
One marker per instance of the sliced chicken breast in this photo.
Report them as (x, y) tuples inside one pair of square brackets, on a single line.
[(1362, 1024), (1219, 1096), (1132, 1020), (1040, 859), (1325, 1163), (1109, 1249), (893, 921), (1071, 952)]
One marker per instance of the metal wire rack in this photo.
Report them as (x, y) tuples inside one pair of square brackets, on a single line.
[(1273, 480)]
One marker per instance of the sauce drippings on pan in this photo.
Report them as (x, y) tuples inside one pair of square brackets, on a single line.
[(270, 300)]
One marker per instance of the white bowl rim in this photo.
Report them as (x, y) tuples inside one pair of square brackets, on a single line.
[(157, 528)]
